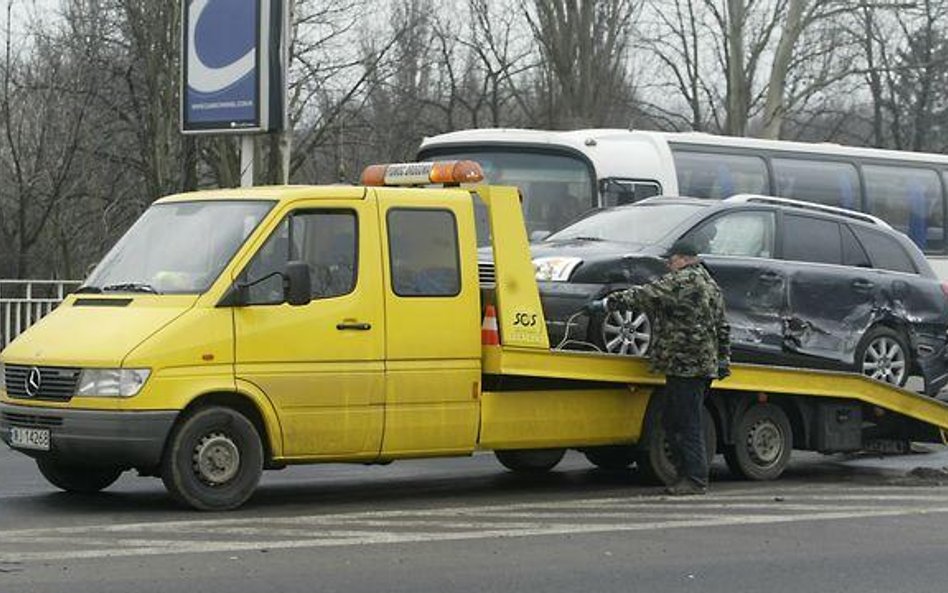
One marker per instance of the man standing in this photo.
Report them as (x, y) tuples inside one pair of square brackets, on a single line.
[(691, 346)]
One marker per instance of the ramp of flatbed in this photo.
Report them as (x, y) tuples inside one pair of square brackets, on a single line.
[(609, 368)]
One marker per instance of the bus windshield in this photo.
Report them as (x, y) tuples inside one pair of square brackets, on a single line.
[(177, 247), (556, 187)]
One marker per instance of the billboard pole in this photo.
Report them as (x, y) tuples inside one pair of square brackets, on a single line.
[(246, 160)]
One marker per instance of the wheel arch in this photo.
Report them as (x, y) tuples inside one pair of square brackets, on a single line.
[(250, 407)]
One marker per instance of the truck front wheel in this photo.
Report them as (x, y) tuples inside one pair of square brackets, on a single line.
[(77, 478), (213, 460), (532, 461)]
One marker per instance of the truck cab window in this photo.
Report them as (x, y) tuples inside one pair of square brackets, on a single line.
[(324, 239), (423, 247)]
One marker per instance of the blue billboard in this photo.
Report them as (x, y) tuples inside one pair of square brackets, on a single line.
[(232, 66)]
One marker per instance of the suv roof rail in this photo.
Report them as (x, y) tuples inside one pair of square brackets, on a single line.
[(761, 199)]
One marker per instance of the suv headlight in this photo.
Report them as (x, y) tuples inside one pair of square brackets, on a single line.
[(111, 382), (555, 269)]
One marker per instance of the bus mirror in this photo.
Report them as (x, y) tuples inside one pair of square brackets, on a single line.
[(537, 236), (297, 288), (615, 192)]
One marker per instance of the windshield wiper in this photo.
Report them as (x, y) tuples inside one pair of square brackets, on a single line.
[(585, 238), (87, 288), (130, 287)]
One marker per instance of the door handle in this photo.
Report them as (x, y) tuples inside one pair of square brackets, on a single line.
[(860, 284), (770, 277), (356, 326)]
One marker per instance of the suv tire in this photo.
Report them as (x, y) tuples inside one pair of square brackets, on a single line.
[(883, 354)]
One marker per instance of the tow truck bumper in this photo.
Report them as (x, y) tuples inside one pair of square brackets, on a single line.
[(115, 439)]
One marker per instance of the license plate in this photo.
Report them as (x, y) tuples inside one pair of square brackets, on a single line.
[(30, 438)]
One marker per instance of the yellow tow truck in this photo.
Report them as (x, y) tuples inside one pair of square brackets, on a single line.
[(239, 330)]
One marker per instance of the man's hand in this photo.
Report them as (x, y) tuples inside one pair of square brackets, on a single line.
[(724, 369)]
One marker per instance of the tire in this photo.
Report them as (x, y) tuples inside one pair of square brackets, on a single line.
[(655, 464), (763, 441), (530, 461), (77, 478), (611, 458), (883, 354), (622, 332), (213, 460)]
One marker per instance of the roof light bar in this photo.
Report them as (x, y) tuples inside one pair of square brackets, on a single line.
[(440, 172)]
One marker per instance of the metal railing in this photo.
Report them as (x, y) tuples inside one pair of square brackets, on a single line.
[(24, 302)]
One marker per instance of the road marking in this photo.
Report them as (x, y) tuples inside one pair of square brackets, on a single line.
[(403, 526)]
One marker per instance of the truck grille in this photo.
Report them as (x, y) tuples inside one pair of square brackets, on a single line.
[(485, 272), (29, 420), (55, 383)]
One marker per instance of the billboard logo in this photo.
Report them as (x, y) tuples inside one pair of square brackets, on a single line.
[(219, 58)]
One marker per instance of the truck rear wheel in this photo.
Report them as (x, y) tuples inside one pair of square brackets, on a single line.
[(763, 441), (77, 478), (531, 461), (613, 457), (655, 463), (213, 460)]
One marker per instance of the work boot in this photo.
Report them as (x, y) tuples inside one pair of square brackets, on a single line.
[(686, 487)]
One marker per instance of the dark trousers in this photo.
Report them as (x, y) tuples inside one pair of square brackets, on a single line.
[(683, 421)]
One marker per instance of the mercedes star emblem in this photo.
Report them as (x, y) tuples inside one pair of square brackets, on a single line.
[(33, 379)]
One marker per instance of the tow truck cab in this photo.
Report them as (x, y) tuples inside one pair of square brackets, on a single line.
[(342, 323)]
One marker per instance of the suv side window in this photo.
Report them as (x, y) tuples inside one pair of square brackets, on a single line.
[(746, 234), (886, 253), (324, 239), (853, 253), (423, 247), (811, 239)]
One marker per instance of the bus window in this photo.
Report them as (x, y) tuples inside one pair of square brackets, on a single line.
[(556, 188), (909, 199), (717, 176), (823, 182)]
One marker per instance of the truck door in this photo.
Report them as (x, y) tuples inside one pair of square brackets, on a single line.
[(321, 364), (432, 340)]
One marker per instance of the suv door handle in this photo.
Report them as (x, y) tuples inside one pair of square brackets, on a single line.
[(860, 284), (356, 326), (770, 277)]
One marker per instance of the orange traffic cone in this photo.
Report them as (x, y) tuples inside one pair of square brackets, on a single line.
[(490, 335)]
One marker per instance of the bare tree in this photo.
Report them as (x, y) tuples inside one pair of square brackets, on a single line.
[(584, 47)]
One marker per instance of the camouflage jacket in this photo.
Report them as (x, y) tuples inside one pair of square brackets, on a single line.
[(689, 331)]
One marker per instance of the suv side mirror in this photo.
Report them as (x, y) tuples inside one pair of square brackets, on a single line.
[(297, 288)]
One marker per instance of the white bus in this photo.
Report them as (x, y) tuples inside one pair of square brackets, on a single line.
[(563, 174)]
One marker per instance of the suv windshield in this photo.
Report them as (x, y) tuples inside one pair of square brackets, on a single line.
[(641, 223), (177, 247)]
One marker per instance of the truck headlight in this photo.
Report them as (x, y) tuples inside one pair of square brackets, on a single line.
[(111, 382), (555, 269), (3, 377)]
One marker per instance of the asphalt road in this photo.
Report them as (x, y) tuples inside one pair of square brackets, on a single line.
[(467, 525)]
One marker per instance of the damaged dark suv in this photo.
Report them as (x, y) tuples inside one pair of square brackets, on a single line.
[(806, 285)]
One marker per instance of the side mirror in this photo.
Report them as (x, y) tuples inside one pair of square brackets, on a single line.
[(297, 287)]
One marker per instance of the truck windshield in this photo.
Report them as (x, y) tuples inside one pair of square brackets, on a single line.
[(177, 247), (556, 187), (642, 223)]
